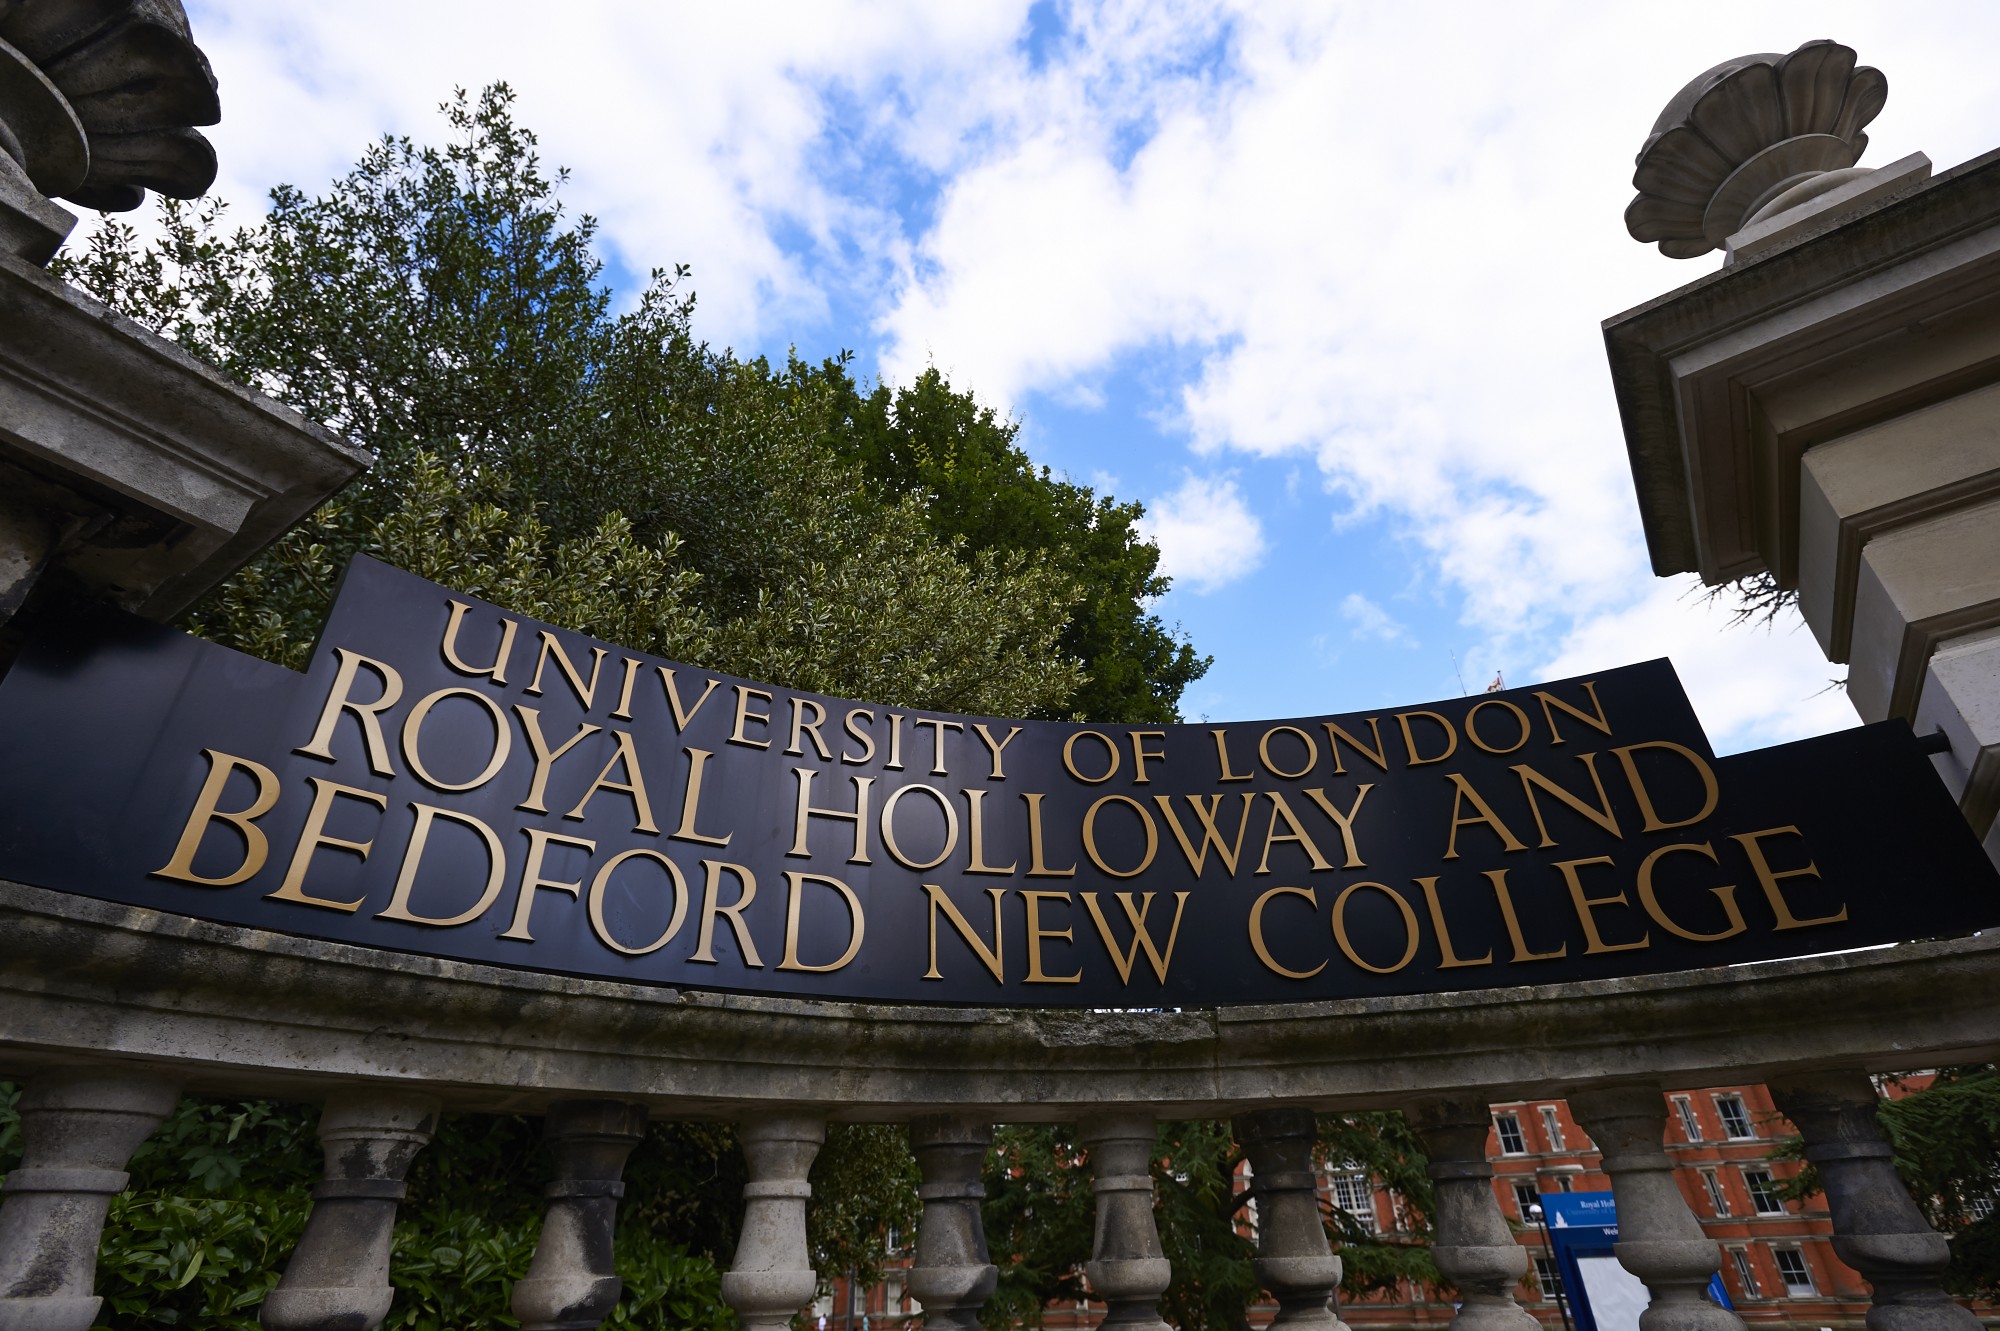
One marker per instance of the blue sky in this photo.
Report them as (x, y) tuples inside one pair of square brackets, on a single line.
[(1320, 284)]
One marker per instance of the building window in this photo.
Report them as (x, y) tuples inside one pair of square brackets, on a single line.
[(1552, 1125), (1716, 1197), (1978, 1208), (1735, 1118), (1511, 1140), (1690, 1125), (1353, 1194), (1763, 1190), (1548, 1277), (1797, 1276), (1744, 1273), (1525, 1196)]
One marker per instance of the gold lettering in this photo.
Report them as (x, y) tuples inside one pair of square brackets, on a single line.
[(1447, 957), (532, 880), (1595, 722), (545, 757), (1767, 878), (314, 836), (801, 726), (256, 846), (1654, 823), (340, 699), (406, 880), (1257, 943), (1650, 899), (1586, 908), (1472, 728), (1412, 931), (567, 669), (1036, 933), (867, 754), (1222, 758), (1264, 753), (1227, 852), (993, 958), (895, 759), (995, 749), (1410, 739), (889, 829), (1280, 809), (413, 725), (1345, 821), (976, 835), (1140, 753), (1037, 866), (683, 715), (711, 909), (858, 816), (1090, 835), (623, 712), (1141, 936), (937, 736), (497, 672), (1501, 893), (1379, 755), (691, 801), (857, 925), (744, 693), (1463, 792), (603, 880), (1601, 814), (1069, 757), (634, 786)]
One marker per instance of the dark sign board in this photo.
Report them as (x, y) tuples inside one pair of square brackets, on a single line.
[(452, 779)]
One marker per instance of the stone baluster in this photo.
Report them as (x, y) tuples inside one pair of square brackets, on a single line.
[(338, 1275), (1473, 1246), (1294, 1260), (78, 1129), (1659, 1239), (1128, 1269), (952, 1277), (573, 1284), (772, 1276), (1877, 1228)]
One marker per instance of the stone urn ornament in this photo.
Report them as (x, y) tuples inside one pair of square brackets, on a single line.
[(98, 104), (1750, 139)]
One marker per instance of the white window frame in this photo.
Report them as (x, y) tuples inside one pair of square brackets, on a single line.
[(1363, 1191), (1807, 1287), (1749, 1132), (1746, 1272), (1552, 1127), (1690, 1122), (1762, 1180), (1526, 1194), (1500, 1133), (1548, 1278), (1718, 1200)]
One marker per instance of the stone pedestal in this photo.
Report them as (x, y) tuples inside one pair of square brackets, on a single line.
[(1474, 1248), (338, 1276), (1128, 1269), (78, 1130), (1294, 1260), (1659, 1239), (952, 1277), (772, 1276), (1877, 1228), (573, 1284)]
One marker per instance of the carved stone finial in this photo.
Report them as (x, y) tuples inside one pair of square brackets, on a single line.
[(1753, 136), (98, 103)]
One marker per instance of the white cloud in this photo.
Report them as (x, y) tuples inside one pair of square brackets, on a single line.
[(1207, 535), (1369, 620)]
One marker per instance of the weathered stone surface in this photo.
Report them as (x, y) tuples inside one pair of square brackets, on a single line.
[(953, 1275), (1474, 1247), (1294, 1260), (1128, 1270), (573, 1283), (78, 1130), (246, 1012), (771, 1277)]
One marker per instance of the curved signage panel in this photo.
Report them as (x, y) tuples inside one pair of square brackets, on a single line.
[(456, 780)]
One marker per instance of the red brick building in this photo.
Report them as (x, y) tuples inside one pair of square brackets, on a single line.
[(1778, 1262)]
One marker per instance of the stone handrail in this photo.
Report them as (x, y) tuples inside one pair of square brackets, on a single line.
[(108, 1012)]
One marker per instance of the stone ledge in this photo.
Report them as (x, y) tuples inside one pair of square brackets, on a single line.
[(235, 1010)]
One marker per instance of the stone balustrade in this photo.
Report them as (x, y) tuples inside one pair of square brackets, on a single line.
[(144, 1007)]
